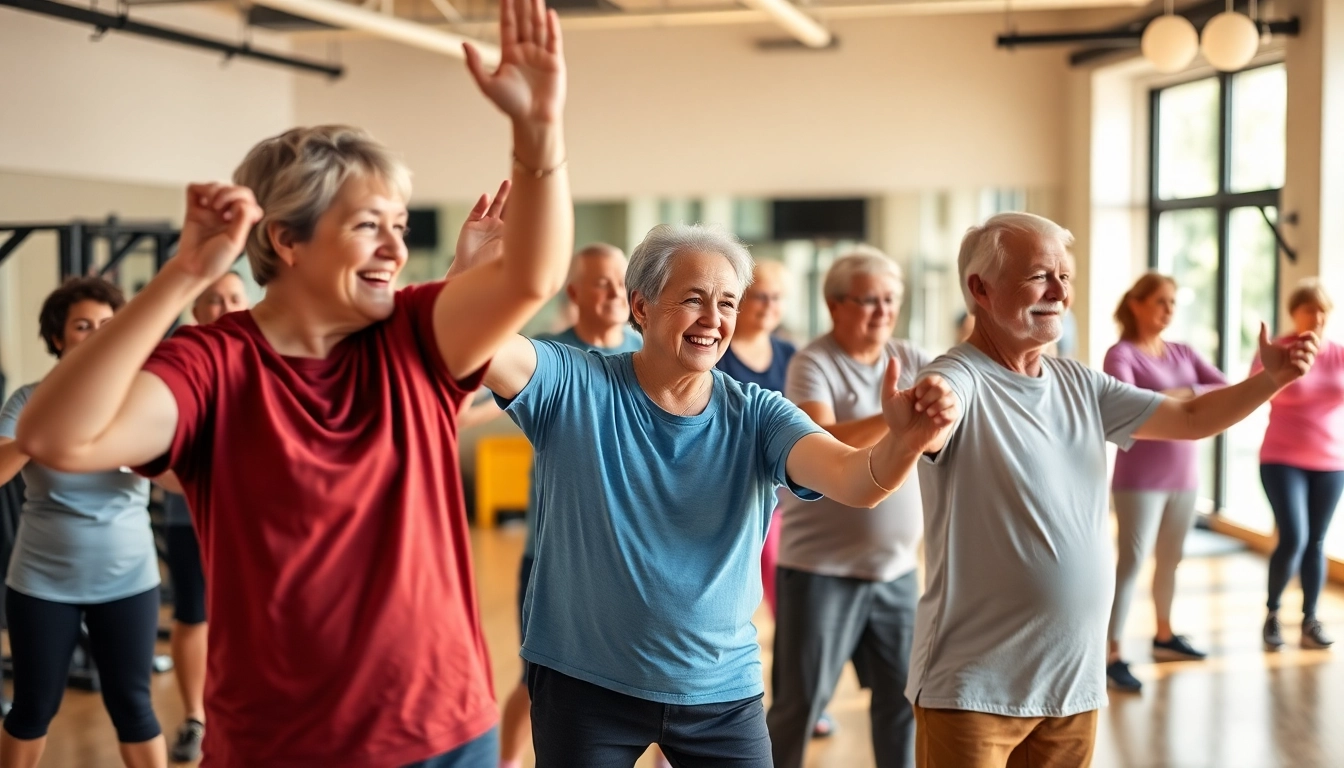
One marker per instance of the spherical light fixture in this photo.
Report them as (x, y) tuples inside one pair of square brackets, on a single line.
[(1230, 40), (1170, 43)]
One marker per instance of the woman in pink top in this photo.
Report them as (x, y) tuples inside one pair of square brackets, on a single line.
[(1155, 481), (1302, 469)]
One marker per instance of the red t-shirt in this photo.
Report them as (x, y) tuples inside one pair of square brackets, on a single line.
[(344, 628)]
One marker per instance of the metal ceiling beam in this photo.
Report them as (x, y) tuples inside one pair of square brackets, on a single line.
[(123, 23)]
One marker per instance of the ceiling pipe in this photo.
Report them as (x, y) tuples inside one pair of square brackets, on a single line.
[(390, 27), (804, 28), (103, 22)]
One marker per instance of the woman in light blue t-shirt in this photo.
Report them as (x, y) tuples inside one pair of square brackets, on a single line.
[(84, 553), (660, 475)]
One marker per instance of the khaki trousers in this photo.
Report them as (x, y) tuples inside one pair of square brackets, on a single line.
[(953, 738)]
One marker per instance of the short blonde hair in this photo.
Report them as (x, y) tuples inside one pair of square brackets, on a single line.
[(863, 260), (296, 175), (1309, 291)]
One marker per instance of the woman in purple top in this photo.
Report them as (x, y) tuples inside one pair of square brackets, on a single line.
[(1155, 482)]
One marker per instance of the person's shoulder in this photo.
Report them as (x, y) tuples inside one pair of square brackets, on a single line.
[(1122, 349), (783, 346), (821, 349), (634, 341), (21, 395)]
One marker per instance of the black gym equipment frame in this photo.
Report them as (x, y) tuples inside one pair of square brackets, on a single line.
[(78, 238), (102, 22)]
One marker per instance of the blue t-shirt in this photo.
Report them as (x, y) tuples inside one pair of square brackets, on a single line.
[(630, 342), (772, 378), (83, 538), (650, 527)]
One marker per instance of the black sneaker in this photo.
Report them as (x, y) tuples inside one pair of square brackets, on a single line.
[(1119, 678), (187, 748), (1273, 634), (1176, 649), (1313, 635)]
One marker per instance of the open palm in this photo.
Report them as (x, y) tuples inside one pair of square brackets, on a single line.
[(529, 84), (482, 236)]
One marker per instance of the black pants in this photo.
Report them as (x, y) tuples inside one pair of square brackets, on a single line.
[(580, 725), (1303, 502), (184, 566), (42, 638), (824, 621)]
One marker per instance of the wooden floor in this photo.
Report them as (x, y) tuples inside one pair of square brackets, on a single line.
[(1241, 709)]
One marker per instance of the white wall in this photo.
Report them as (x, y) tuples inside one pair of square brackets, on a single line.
[(132, 108), (913, 103)]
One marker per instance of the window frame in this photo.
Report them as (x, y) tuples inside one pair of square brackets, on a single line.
[(1222, 203)]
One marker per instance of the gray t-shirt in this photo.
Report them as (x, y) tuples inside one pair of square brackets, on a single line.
[(825, 536), (1020, 571), (83, 538)]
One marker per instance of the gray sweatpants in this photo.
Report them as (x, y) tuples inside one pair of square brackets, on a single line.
[(824, 621), (1149, 521)]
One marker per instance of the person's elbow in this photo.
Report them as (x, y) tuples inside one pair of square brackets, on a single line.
[(41, 447)]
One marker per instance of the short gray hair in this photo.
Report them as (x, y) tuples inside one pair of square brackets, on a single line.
[(651, 261), (297, 174), (983, 252), (591, 251), (863, 260)]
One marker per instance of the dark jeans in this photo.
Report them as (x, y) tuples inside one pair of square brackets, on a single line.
[(480, 752), (823, 622), (580, 725), (42, 638), (1303, 503)]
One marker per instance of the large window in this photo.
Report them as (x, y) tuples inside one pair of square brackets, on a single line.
[(1217, 170)]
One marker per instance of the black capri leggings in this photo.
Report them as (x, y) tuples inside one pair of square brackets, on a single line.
[(42, 638)]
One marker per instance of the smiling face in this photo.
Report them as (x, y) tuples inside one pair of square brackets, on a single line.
[(1310, 316), (350, 264), (866, 315), (597, 289), (1025, 301), (693, 320)]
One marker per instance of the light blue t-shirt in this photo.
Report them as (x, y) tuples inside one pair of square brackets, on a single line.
[(630, 342), (650, 527), (83, 538)]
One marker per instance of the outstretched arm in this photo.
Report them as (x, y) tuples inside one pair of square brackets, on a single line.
[(917, 421), (480, 310), (97, 410), (1215, 411)]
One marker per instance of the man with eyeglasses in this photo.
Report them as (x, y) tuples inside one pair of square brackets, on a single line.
[(846, 583)]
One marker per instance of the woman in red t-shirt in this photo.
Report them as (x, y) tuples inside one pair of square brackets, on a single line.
[(315, 436)]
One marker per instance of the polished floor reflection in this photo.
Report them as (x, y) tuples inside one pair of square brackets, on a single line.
[(1240, 709)]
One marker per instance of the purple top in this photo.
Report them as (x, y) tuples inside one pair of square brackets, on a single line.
[(1159, 465)]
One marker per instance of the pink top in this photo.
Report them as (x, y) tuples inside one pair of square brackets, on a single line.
[(1306, 419)]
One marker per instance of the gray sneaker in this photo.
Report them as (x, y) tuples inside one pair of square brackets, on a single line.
[(1313, 635), (187, 748), (1273, 634)]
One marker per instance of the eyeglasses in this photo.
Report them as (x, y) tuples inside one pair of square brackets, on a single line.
[(871, 303), (764, 298)]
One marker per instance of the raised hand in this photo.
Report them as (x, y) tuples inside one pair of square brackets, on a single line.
[(529, 84), (1289, 361), (921, 415), (219, 216), (482, 237)]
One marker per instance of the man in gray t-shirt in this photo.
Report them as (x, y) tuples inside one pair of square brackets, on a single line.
[(1010, 635), (846, 582)]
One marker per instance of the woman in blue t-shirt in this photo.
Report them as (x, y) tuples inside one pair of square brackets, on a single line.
[(660, 474), (84, 553)]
